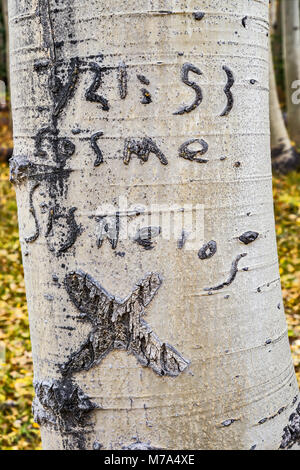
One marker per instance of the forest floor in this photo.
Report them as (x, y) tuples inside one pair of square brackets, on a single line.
[(18, 431)]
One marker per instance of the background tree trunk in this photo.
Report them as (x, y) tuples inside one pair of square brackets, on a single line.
[(5, 18), (273, 14), (284, 156), (107, 103), (4, 6), (291, 47)]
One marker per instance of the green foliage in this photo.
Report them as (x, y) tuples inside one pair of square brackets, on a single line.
[(287, 212), (17, 428), (16, 392)]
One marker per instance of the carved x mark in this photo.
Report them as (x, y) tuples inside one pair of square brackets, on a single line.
[(118, 324)]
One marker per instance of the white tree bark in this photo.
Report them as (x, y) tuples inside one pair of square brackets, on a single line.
[(108, 99), (291, 47)]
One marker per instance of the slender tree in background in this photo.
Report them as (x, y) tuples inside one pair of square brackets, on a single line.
[(5, 20), (284, 156), (4, 6), (276, 31), (2, 44), (290, 14), (139, 342), (273, 14)]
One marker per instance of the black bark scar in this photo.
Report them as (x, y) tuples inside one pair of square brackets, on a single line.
[(142, 148), (38, 139), (43, 11), (65, 150), (95, 147), (186, 68), (184, 151), (208, 250), (108, 227), (244, 21), (248, 237), (291, 433), (91, 94), (62, 404), (146, 99), (35, 236), (73, 228), (229, 84), (182, 240), (233, 273), (62, 97), (122, 77), (143, 79), (119, 324), (198, 15), (145, 235)]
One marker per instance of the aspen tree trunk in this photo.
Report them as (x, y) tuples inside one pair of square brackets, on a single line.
[(284, 156), (5, 19), (273, 14), (2, 41), (148, 341), (291, 47), (276, 30)]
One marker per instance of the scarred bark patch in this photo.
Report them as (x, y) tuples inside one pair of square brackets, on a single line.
[(291, 433), (232, 275), (118, 324), (64, 405)]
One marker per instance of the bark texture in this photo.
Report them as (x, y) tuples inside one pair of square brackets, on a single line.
[(164, 103)]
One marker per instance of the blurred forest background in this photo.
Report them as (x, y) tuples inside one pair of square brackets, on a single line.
[(17, 429)]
